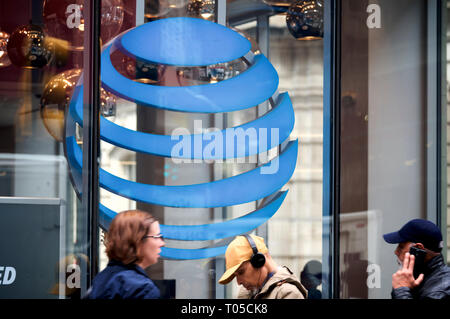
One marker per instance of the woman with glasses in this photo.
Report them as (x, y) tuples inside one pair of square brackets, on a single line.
[(133, 243)]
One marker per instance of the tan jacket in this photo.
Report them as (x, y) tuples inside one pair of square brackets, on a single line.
[(282, 285)]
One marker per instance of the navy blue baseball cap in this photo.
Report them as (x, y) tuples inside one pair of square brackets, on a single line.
[(418, 231)]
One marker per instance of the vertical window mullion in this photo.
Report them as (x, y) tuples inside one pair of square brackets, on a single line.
[(91, 128), (331, 154)]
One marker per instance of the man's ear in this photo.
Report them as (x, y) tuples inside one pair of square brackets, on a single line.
[(419, 245)]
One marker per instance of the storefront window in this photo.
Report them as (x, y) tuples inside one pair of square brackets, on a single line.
[(43, 228), (316, 125), (447, 128), (389, 116), (294, 232)]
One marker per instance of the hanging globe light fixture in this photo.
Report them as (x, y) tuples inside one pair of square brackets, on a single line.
[(4, 59), (204, 9), (279, 3), (304, 19), (156, 9), (279, 6), (56, 98), (176, 4), (29, 48)]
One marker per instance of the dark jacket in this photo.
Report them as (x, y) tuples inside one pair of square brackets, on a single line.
[(119, 281), (435, 285)]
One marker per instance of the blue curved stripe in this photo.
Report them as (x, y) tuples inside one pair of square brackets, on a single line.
[(74, 170), (184, 41), (280, 118), (106, 216), (188, 254), (192, 42), (248, 89), (225, 229), (212, 231), (225, 192)]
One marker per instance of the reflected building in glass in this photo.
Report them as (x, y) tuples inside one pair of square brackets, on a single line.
[(358, 112)]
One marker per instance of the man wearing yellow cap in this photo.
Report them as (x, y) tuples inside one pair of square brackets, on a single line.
[(248, 259)]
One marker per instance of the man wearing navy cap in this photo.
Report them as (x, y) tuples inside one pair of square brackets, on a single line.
[(432, 278)]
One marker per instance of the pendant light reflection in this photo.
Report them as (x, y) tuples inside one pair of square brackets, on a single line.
[(209, 74), (279, 6), (4, 59), (176, 4), (304, 19), (136, 70), (279, 3), (217, 72), (29, 48), (56, 98), (204, 9), (64, 19), (112, 14), (169, 75), (158, 8)]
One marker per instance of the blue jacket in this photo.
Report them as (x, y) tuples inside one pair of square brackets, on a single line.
[(435, 285), (119, 281)]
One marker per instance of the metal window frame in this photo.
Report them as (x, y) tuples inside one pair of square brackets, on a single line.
[(331, 149), (441, 70), (91, 137), (331, 121), (436, 138), (436, 170)]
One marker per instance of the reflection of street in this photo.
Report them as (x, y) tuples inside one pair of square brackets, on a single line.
[(360, 248), (194, 278), (68, 276), (311, 278)]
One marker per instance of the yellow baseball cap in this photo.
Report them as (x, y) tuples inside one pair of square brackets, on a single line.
[(239, 251)]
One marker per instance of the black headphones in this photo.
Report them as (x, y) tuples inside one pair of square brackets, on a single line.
[(258, 259)]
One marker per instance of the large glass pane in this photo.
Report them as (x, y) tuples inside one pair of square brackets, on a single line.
[(299, 221), (388, 141), (447, 37), (42, 227), (151, 56)]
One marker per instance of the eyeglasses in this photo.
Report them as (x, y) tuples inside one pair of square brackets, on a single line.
[(154, 236)]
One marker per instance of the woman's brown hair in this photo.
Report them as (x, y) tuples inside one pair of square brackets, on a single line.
[(125, 234)]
